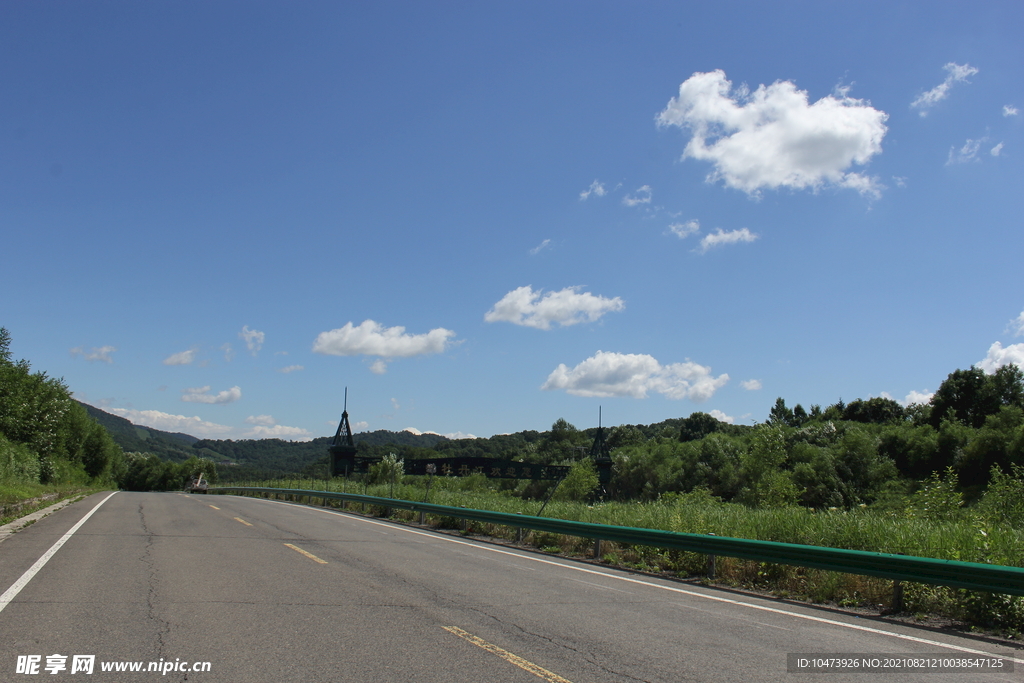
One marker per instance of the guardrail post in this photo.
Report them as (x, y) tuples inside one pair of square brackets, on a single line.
[(464, 523), (423, 516), (519, 533), (897, 596), (597, 548), (711, 565)]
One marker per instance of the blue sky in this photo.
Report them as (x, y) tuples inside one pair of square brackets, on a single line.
[(481, 217)]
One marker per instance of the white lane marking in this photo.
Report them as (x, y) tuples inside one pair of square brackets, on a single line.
[(597, 585), (13, 591), (674, 589)]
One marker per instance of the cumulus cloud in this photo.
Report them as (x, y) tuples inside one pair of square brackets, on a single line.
[(722, 417), (773, 137), (203, 395), (751, 384), (229, 352), (172, 423), (719, 237), (279, 432), (969, 152), (641, 196), (1010, 110), (101, 354), (997, 150), (291, 368), (998, 357), (596, 188), (181, 358), (568, 306), (262, 420), (378, 367), (253, 339), (626, 374), (373, 339), (684, 230), (955, 73), (922, 397)]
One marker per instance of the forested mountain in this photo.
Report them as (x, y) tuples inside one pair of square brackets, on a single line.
[(169, 446)]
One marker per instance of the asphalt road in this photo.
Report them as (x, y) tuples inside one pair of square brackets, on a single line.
[(259, 591)]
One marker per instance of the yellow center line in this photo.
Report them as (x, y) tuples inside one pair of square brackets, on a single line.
[(523, 664), (309, 555), (239, 519), (215, 507)]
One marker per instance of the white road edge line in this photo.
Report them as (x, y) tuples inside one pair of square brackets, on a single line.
[(674, 589), (13, 591)]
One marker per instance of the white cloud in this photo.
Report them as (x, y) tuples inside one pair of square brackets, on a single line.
[(922, 397), (373, 339), (253, 339), (719, 237), (684, 230), (596, 188), (229, 352), (262, 420), (101, 354), (722, 417), (1010, 110), (997, 150), (642, 196), (291, 368), (622, 374), (172, 423), (568, 306), (773, 138), (203, 395), (182, 358), (279, 432), (751, 384), (998, 357), (956, 73), (378, 367), (969, 152), (460, 435), (540, 247), (361, 426), (1017, 325)]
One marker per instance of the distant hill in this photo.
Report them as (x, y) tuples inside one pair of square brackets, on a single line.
[(169, 446), (245, 457)]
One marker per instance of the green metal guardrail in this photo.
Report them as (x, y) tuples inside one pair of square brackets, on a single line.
[(970, 575)]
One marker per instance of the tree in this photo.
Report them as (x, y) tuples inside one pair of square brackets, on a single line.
[(876, 410), (780, 414), (697, 426), (579, 483), (766, 484), (972, 395)]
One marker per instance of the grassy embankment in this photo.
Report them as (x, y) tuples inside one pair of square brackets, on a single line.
[(20, 499)]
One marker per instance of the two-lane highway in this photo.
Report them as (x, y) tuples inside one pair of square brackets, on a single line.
[(251, 590)]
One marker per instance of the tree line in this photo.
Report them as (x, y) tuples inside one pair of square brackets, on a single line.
[(48, 438), (867, 451)]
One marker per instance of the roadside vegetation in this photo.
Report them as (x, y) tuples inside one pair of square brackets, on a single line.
[(943, 479), (51, 449)]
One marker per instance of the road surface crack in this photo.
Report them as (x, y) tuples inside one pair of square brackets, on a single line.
[(163, 627)]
